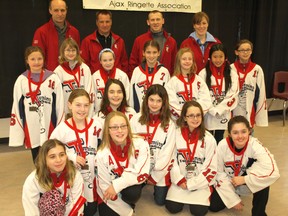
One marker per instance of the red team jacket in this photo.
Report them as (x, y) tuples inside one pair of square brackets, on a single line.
[(46, 37)]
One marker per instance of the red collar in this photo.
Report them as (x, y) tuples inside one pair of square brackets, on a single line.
[(118, 151)]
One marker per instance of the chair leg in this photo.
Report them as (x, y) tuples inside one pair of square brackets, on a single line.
[(270, 104), (284, 112)]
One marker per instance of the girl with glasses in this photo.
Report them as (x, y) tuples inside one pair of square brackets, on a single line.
[(81, 136), (252, 95), (73, 72), (156, 126), (245, 166), (123, 163), (222, 82), (195, 163)]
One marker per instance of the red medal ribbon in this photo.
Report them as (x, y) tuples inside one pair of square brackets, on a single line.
[(33, 94)]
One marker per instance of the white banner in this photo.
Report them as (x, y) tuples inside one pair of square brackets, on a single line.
[(186, 6)]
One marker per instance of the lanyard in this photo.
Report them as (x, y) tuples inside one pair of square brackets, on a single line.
[(80, 148), (105, 75), (238, 168), (117, 161), (191, 140), (150, 137), (243, 69), (74, 72), (33, 94), (188, 90), (148, 83)]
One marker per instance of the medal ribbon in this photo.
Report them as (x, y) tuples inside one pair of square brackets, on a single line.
[(190, 138), (80, 148), (188, 90), (33, 94), (148, 83), (150, 137)]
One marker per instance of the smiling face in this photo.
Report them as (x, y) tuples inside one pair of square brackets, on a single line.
[(156, 22), (35, 61), (58, 11), (154, 103), (115, 95), (56, 159), (118, 130), (186, 62), (70, 53), (244, 52), (151, 55), (104, 24), (201, 28), (79, 108), (239, 134), (193, 117), (218, 58), (107, 61)]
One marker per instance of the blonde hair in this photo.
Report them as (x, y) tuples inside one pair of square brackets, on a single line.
[(43, 172), (177, 68), (69, 42), (106, 135)]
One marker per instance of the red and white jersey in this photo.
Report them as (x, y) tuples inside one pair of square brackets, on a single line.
[(135, 172), (141, 80), (162, 145), (223, 102), (200, 180), (79, 77), (86, 144), (37, 109), (32, 189), (99, 79), (129, 112), (252, 96), (255, 162), (181, 90)]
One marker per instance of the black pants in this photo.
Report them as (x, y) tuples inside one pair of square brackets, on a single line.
[(218, 135), (130, 195), (35, 152), (175, 207), (259, 202), (90, 208)]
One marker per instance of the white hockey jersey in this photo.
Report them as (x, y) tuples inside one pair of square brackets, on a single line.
[(79, 77), (223, 102), (200, 180), (252, 95), (135, 171), (181, 90), (162, 145), (32, 189), (141, 80), (37, 109), (90, 138), (99, 79), (256, 163)]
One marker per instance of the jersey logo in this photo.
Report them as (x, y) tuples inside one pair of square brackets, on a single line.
[(34, 97), (182, 95), (233, 166), (70, 84), (75, 145), (143, 85), (100, 93)]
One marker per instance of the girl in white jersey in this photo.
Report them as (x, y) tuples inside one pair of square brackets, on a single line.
[(123, 163), (73, 72), (245, 166), (37, 103), (195, 163), (222, 82), (149, 72), (107, 71), (252, 94), (55, 187), (81, 136), (114, 98), (186, 85), (154, 123)]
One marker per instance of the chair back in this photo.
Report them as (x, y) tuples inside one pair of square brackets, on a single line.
[(280, 86)]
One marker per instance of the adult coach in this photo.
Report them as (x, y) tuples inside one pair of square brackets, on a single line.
[(50, 35), (168, 45), (200, 41), (102, 38)]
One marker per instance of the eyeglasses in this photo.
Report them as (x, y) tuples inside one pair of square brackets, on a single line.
[(70, 50), (245, 51), (116, 127), (192, 116)]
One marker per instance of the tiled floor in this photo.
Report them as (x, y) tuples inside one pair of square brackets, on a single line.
[(16, 165)]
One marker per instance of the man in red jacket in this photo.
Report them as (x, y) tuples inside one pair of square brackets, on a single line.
[(168, 45), (102, 38), (50, 35)]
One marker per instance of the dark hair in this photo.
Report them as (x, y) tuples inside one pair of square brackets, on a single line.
[(153, 12), (75, 94), (105, 102), (165, 113), (236, 120), (152, 43), (103, 12), (242, 42), (227, 68), (181, 120), (197, 18), (30, 50)]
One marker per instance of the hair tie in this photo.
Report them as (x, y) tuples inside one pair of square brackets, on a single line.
[(106, 50)]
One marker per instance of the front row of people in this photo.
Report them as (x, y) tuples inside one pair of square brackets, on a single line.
[(182, 161)]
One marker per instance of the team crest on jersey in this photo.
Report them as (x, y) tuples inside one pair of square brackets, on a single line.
[(232, 166), (100, 93), (34, 97), (69, 85), (143, 85)]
